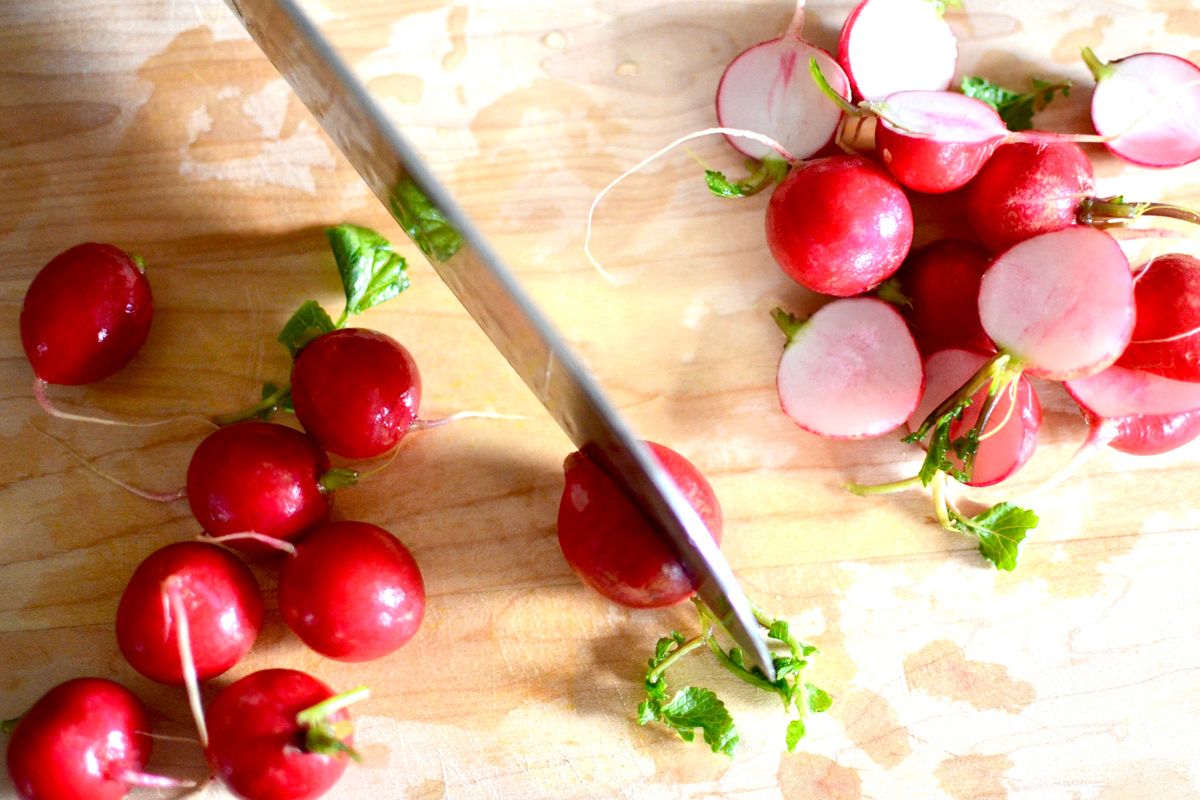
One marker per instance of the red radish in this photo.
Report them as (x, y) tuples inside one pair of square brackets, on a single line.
[(356, 391), (839, 225), (1138, 412), (766, 89), (941, 284), (1150, 104), (86, 739), (261, 477), (849, 371), (1008, 438), (611, 546), (1166, 340), (889, 46), (352, 591), (1061, 303), (275, 735), (86, 314), (218, 594)]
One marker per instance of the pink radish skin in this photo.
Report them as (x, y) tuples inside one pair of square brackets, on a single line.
[(1060, 303), (1009, 439), (889, 46), (839, 226), (1151, 103), (850, 371), (941, 282), (1166, 340), (1137, 412)]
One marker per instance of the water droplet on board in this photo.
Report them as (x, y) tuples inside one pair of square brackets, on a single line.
[(555, 40)]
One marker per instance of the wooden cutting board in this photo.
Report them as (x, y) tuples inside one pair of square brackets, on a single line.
[(160, 127)]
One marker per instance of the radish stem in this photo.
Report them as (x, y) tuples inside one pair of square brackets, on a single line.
[(1115, 210), (269, 403), (1098, 68), (683, 650), (866, 490)]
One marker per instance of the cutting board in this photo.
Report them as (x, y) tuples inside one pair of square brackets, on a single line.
[(160, 127)]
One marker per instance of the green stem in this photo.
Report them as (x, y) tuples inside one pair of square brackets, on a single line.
[(9, 725), (1116, 210), (268, 403), (683, 650), (998, 362), (981, 423), (866, 490), (790, 324), (337, 478), (845, 105), (314, 715), (940, 508), (1098, 68), (741, 672)]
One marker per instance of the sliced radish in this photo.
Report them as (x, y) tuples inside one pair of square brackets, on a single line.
[(1140, 413), (1060, 303), (1010, 435), (850, 371), (1166, 339), (1151, 103), (767, 89), (889, 46)]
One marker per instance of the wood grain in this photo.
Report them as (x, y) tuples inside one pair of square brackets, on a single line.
[(160, 127)]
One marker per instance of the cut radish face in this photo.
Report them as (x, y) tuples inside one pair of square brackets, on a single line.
[(1151, 103), (1060, 303), (1139, 413), (889, 46), (767, 89), (1010, 435), (1166, 340), (850, 371)]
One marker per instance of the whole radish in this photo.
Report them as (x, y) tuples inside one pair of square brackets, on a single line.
[(766, 89), (86, 314), (1166, 340), (849, 371), (216, 592), (1150, 104), (261, 477), (356, 391), (889, 46), (279, 734), (839, 226), (941, 284), (351, 591), (1137, 412), (609, 543), (86, 739)]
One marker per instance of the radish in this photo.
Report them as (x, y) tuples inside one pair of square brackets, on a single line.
[(216, 592), (1137, 412), (86, 739), (889, 46), (1166, 340), (355, 391), (765, 88), (352, 592), (86, 314), (1149, 103), (279, 734), (1006, 440), (849, 371), (611, 546), (261, 477), (940, 284), (839, 225)]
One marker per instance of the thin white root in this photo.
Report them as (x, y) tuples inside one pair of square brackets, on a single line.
[(426, 424), (795, 28), (1165, 339), (157, 497), (270, 541), (752, 135), (39, 392), (149, 781), (1098, 437), (1012, 404), (172, 589)]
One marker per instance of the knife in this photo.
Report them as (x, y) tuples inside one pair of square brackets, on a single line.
[(490, 294)]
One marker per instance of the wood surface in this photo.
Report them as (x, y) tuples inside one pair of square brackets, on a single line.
[(158, 126)]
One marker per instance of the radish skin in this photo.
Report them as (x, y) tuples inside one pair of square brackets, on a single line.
[(1142, 413), (1166, 340), (889, 46)]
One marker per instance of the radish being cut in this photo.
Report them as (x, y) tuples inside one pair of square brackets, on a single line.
[(766, 88), (889, 46), (849, 371), (1137, 412), (1061, 304), (1009, 436), (1150, 104), (941, 284), (1166, 339)]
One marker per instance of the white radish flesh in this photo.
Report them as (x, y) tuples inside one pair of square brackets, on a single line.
[(1060, 303), (1151, 103), (768, 89), (945, 116), (1141, 413), (889, 46), (851, 371)]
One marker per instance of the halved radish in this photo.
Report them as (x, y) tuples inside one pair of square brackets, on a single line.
[(889, 46), (1137, 412), (1150, 103), (1010, 434), (850, 371), (1166, 339)]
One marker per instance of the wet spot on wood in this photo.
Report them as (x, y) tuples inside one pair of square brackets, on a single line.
[(943, 670), (456, 27), (804, 775), (403, 88), (1066, 50), (974, 777), (873, 725)]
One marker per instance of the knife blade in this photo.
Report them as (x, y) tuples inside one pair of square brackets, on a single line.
[(487, 289)]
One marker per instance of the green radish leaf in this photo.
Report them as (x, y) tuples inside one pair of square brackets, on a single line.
[(1000, 529), (943, 6), (1015, 108), (372, 272), (795, 732), (818, 699), (424, 223), (693, 708), (307, 323), (762, 174)]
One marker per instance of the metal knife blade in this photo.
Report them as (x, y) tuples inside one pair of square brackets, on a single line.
[(488, 291)]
